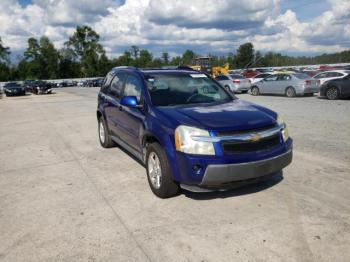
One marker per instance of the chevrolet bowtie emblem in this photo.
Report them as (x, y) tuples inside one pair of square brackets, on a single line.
[(255, 137)]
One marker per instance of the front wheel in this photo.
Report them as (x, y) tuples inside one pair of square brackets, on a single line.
[(159, 172), (332, 93)]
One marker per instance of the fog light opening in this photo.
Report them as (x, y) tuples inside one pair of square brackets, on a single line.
[(197, 168)]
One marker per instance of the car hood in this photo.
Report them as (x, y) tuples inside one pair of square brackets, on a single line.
[(235, 115)]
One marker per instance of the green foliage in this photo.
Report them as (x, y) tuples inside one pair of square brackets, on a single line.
[(187, 57), (245, 55), (165, 58), (83, 56), (86, 49), (4, 62)]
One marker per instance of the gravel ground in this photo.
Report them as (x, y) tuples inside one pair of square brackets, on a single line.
[(64, 198)]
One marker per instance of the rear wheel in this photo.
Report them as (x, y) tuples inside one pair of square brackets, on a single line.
[(290, 92), (159, 172), (103, 134), (332, 93), (255, 91)]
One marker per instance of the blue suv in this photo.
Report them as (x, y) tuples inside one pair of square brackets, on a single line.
[(188, 130)]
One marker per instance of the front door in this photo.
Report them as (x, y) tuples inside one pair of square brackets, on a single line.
[(267, 85), (132, 117)]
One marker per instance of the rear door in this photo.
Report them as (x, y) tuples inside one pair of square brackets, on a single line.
[(131, 119)]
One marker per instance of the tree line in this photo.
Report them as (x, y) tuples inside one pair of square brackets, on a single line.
[(83, 56)]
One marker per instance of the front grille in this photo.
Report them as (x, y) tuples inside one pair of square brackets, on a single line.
[(255, 130), (233, 147)]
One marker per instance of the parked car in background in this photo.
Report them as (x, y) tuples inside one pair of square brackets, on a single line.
[(336, 88), (235, 83), (264, 70), (310, 73), (258, 77), (38, 87), (328, 75), (248, 73), (326, 68), (14, 89), (286, 84), (189, 131)]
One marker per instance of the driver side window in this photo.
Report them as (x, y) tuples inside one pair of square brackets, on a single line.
[(116, 86), (271, 78), (133, 87)]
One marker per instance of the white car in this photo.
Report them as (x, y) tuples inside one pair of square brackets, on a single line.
[(235, 83), (258, 77), (328, 75)]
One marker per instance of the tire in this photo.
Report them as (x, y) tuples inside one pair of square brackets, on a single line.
[(103, 134), (159, 172), (290, 92), (255, 91), (332, 93)]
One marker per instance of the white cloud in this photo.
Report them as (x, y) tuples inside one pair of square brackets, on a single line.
[(162, 25)]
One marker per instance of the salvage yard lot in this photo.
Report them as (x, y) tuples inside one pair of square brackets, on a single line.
[(64, 198)]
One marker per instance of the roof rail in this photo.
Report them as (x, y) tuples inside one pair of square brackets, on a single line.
[(157, 68), (125, 67)]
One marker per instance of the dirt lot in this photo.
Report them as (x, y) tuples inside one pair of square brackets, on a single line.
[(64, 198)]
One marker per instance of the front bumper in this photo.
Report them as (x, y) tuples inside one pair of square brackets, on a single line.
[(217, 175)]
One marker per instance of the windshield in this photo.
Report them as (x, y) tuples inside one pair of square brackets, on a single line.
[(182, 89), (12, 85)]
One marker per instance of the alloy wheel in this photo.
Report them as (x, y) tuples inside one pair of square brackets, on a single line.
[(154, 170)]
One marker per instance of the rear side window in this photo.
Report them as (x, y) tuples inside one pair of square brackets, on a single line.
[(106, 83), (133, 87), (335, 74), (116, 85)]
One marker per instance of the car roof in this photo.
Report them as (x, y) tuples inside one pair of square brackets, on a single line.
[(338, 71)]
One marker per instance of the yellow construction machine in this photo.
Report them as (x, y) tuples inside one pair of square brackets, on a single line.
[(204, 64)]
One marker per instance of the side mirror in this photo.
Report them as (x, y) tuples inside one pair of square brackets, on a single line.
[(130, 101)]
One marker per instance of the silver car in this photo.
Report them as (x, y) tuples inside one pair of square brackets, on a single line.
[(290, 84), (234, 82)]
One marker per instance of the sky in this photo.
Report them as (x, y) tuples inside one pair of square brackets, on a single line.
[(298, 27)]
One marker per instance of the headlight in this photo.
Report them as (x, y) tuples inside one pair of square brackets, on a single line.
[(185, 143), (284, 131)]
